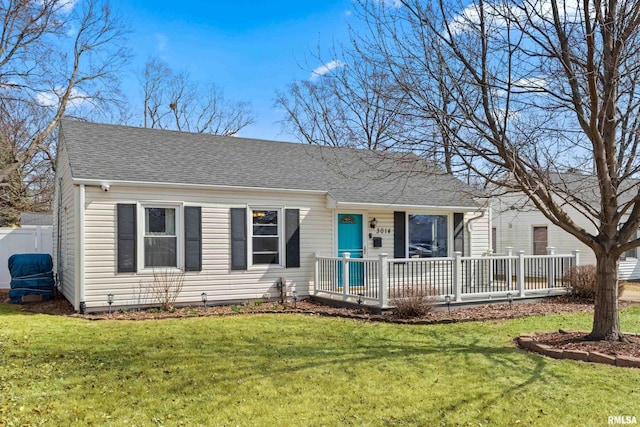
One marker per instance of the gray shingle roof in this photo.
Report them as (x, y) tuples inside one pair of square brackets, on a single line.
[(36, 218), (121, 153)]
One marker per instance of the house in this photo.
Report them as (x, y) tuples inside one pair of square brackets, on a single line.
[(35, 219), (237, 215), (519, 225)]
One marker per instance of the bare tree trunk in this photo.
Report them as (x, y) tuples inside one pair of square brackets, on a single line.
[(606, 323)]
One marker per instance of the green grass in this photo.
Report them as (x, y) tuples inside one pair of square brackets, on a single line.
[(293, 370)]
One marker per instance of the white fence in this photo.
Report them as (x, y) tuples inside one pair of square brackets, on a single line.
[(456, 279), (32, 240)]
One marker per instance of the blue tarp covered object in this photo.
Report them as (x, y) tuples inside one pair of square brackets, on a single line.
[(31, 274)]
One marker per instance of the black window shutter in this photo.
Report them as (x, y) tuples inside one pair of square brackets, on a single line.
[(192, 238), (238, 239), (292, 235), (399, 234), (458, 233), (127, 238)]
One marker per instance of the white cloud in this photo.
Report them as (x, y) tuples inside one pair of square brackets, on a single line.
[(62, 6), (531, 84), (52, 98), (67, 6), (469, 18), (500, 114), (162, 41), (72, 31), (391, 3), (497, 13), (325, 68)]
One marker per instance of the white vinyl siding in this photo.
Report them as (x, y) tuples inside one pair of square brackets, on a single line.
[(66, 226), (477, 241), (629, 267), (317, 235), (515, 230), (216, 279)]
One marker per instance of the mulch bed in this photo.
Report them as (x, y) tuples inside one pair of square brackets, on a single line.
[(488, 312), (576, 340), (496, 311)]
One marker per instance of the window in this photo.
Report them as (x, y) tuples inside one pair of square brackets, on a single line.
[(160, 239), (428, 236), (540, 241), (150, 236), (265, 236)]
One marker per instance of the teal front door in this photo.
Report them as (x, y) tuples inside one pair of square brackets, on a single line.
[(350, 240)]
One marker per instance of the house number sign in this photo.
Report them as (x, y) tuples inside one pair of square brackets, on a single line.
[(381, 230)]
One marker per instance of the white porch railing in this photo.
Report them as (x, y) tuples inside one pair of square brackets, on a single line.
[(377, 281)]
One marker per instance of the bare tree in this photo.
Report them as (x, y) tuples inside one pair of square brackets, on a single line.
[(355, 100), (56, 58), (27, 188), (347, 103), (535, 88), (173, 101)]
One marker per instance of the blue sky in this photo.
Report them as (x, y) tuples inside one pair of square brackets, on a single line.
[(248, 48)]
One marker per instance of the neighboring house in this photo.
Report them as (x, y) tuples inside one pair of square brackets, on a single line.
[(236, 215), (517, 224), (34, 219)]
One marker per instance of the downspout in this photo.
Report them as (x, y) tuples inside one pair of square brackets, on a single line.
[(81, 257)]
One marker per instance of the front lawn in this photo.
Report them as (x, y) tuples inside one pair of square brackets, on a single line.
[(296, 370)]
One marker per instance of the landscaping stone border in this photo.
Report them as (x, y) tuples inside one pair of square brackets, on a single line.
[(528, 342)]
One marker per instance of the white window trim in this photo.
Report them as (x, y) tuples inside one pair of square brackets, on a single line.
[(140, 224), (281, 244), (431, 213)]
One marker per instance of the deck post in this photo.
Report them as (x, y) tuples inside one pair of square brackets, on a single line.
[(576, 257), (383, 274), (315, 273), (508, 274), (457, 275), (551, 270), (520, 274), (491, 272), (345, 275)]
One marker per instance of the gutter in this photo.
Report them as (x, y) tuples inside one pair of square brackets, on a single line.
[(475, 218), (177, 185), (334, 204)]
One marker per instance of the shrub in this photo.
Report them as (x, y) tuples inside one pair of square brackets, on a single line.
[(582, 281), (165, 287), (412, 303)]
